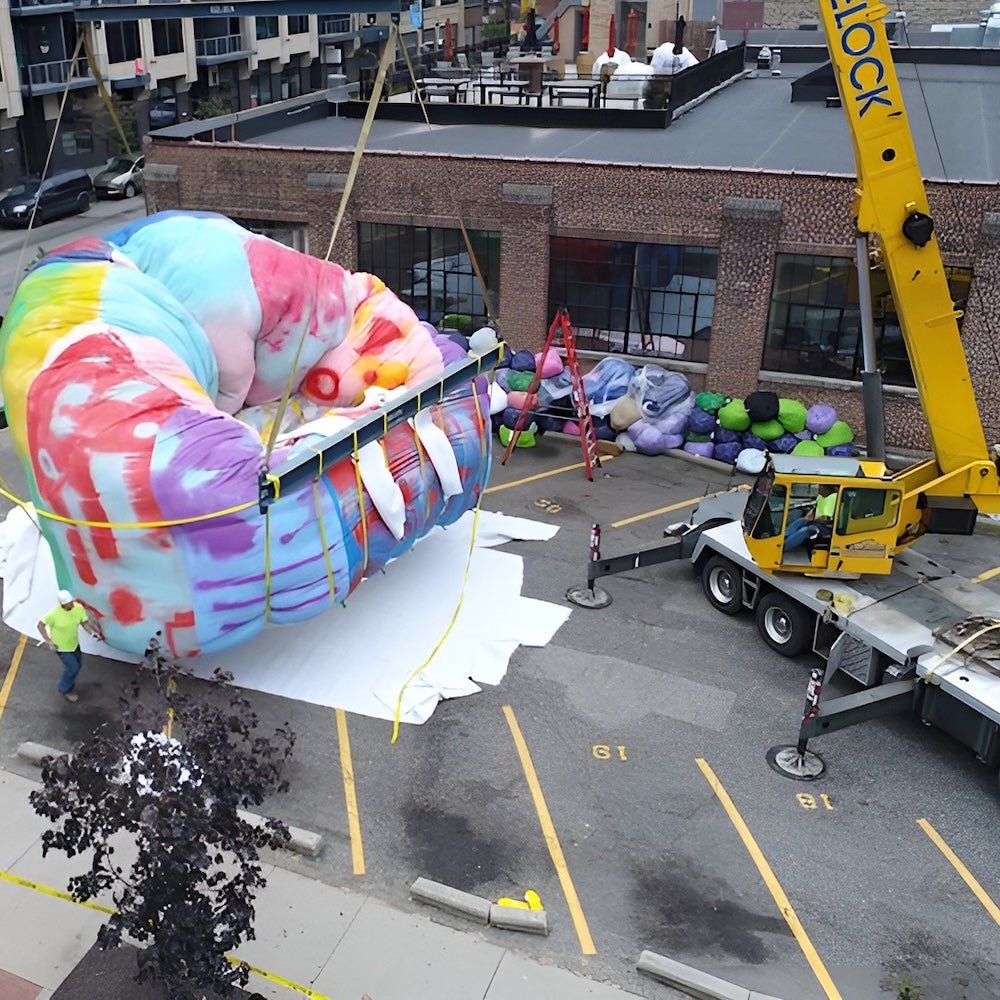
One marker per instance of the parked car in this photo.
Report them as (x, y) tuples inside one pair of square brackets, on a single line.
[(60, 194), (121, 177), (163, 113)]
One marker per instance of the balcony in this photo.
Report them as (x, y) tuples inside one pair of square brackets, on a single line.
[(51, 77), (336, 29), (30, 7), (220, 49)]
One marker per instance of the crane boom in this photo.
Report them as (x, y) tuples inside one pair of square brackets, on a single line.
[(891, 203)]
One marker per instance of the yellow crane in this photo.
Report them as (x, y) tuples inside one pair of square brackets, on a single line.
[(876, 513)]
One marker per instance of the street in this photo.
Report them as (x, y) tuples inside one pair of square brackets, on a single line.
[(642, 721), (19, 248)]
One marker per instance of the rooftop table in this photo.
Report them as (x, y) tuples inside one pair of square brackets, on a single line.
[(531, 69), (560, 89), (439, 86)]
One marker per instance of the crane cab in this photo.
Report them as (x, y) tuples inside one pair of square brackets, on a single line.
[(824, 517)]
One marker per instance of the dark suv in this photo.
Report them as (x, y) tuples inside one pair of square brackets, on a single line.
[(60, 194)]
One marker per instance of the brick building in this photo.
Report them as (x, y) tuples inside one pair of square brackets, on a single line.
[(721, 246)]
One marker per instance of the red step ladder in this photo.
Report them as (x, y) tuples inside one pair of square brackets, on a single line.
[(581, 405)]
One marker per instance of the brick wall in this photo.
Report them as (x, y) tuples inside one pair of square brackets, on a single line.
[(749, 215)]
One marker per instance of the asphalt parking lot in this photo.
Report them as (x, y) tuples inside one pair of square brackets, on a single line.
[(620, 772)]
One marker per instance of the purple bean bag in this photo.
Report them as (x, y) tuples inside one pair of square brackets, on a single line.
[(725, 436), (701, 422), (753, 442), (704, 448), (820, 418), (842, 451), (728, 451), (784, 444), (523, 361)]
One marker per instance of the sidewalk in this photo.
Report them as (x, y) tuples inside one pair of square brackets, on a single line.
[(335, 944)]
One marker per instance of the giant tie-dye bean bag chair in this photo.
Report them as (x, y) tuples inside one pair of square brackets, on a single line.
[(141, 374)]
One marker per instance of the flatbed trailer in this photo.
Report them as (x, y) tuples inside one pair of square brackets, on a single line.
[(922, 638)]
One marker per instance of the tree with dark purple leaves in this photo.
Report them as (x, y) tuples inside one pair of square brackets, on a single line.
[(173, 773)]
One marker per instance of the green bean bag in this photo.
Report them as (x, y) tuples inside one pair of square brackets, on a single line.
[(519, 381), (697, 438), (768, 430), (839, 433), (733, 416), (810, 448), (710, 402), (792, 415)]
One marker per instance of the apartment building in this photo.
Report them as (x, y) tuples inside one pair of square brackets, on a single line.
[(162, 71)]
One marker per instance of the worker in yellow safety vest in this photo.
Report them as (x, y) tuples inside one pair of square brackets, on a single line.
[(816, 523)]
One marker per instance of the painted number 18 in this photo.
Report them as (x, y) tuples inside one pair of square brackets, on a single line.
[(808, 801)]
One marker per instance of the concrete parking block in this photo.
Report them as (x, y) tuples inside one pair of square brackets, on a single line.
[(44, 937), (35, 753), (513, 918), (300, 841), (519, 978), (399, 956), (444, 897), (688, 980), (299, 924)]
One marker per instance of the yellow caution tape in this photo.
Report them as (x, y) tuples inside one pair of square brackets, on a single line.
[(49, 890)]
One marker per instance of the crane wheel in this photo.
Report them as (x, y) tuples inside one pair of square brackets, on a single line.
[(721, 581), (784, 624)]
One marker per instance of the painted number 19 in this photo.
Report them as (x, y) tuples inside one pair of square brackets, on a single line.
[(808, 801)]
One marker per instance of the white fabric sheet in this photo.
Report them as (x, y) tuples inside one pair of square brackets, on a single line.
[(358, 658)]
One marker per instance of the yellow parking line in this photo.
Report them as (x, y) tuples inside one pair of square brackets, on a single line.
[(542, 475), (8, 681), (674, 506), (988, 575), (350, 796), (967, 877), (771, 881), (551, 838), (48, 890)]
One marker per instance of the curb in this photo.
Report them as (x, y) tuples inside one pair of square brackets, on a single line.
[(303, 842), (465, 904), (693, 982)]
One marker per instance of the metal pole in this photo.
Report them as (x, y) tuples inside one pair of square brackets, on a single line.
[(871, 377)]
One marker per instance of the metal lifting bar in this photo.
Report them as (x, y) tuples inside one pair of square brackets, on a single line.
[(288, 475), (238, 8)]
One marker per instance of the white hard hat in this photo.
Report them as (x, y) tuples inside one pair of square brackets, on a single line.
[(65, 597)]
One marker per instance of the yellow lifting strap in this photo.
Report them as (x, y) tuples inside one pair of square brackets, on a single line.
[(95, 72)]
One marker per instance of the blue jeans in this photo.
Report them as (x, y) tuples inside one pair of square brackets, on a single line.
[(799, 532), (72, 662)]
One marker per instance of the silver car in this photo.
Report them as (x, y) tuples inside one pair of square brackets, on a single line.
[(121, 177)]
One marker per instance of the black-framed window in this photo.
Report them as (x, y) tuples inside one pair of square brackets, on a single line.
[(431, 269), (814, 325), (123, 41), (267, 27), (635, 298), (298, 24), (168, 36)]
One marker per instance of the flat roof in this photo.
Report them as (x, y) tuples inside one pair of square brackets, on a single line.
[(750, 124)]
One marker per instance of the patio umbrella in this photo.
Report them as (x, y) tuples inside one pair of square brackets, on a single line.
[(611, 37), (449, 41), (679, 35), (585, 30), (632, 33)]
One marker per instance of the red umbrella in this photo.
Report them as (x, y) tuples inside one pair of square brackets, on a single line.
[(555, 37), (585, 30), (449, 42), (632, 34), (611, 37)]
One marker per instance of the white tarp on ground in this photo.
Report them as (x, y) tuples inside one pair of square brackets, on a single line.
[(360, 657)]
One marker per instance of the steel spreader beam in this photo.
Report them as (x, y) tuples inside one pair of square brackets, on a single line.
[(286, 476), (86, 11)]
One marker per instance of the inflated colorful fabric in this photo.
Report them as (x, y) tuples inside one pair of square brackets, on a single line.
[(140, 373)]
